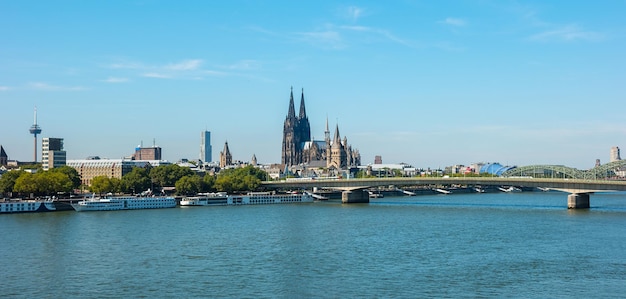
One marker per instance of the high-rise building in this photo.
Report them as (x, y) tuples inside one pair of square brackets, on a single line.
[(378, 160), (52, 153), (615, 154), (206, 151)]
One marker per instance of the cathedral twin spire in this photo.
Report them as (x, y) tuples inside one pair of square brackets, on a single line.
[(292, 109), (297, 131)]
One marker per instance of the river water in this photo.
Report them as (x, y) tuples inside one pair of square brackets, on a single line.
[(523, 245)]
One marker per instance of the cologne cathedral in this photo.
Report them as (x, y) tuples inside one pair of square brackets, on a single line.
[(300, 149)]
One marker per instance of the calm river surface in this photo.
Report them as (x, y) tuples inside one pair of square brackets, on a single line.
[(523, 245)]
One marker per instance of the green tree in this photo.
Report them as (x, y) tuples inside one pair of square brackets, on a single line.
[(168, 175), (208, 183), (71, 173), (7, 180), (241, 179), (56, 182), (101, 184), (137, 180), (25, 184), (116, 185), (188, 185)]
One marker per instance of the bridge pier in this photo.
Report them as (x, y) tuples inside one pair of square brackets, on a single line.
[(578, 201), (355, 196)]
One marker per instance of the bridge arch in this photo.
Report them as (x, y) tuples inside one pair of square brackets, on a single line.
[(604, 171), (545, 171)]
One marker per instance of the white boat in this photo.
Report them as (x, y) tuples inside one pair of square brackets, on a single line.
[(510, 189), (375, 194), (210, 199), (124, 203), (443, 191), (26, 206), (257, 198)]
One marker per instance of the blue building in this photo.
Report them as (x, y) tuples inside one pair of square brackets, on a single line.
[(495, 168), (206, 152)]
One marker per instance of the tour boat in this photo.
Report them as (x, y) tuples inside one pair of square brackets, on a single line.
[(256, 198), (210, 199), (26, 206), (124, 203)]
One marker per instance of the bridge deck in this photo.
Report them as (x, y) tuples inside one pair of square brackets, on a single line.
[(348, 184)]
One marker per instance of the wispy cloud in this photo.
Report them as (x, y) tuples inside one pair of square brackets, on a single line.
[(339, 37), (190, 69), (380, 32), (245, 65), (4, 88), (454, 22), (115, 80), (354, 13), (156, 75), (49, 87), (126, 65), (186, 65), (567, 33)]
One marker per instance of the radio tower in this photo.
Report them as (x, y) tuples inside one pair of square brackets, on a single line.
[(35, 129)]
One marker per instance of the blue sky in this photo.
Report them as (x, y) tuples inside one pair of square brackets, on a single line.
[(430, 83)]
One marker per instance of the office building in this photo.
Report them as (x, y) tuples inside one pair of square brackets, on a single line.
[(52, 153), (206, 152), (147, 153)]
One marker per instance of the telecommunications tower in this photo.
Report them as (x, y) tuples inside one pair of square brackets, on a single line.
[(35, 129)]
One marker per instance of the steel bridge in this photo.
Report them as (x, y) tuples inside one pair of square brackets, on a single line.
[(604, 171), (579, 188)]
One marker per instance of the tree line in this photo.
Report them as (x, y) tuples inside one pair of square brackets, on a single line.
[(186, 182)]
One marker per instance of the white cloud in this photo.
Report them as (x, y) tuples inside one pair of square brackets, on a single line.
[(115, 80), (156, 75), (354, 13), (388, 35), (326, 39), (454, 22), (126, 65), (186, 65), (244, 65), (4, 88), (49, 87), (567, 33)]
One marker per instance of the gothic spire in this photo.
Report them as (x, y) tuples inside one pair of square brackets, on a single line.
[(292, 110), (337, 138), (226, 149), (327, 131), (302, 109)]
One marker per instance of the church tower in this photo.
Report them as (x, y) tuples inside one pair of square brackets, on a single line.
[(296, 131), (337, 157), (225, 157)]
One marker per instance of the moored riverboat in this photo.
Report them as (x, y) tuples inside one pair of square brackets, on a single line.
[(207, 199), (124, 203), (26, 206), (257, 198)]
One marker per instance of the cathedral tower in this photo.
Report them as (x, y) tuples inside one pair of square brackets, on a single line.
[(296, 131)]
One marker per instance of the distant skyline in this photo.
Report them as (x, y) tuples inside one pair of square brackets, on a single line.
[(429, 83)]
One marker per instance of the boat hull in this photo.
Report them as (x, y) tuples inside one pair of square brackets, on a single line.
[(124, 203), (27, 206)]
